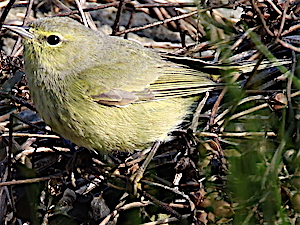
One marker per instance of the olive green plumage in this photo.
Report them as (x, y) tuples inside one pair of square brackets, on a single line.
[(105, 92)]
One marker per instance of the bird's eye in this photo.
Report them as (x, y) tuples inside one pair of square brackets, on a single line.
[(53, 40)]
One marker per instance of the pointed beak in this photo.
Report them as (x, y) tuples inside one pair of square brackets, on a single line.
[(21, 30)]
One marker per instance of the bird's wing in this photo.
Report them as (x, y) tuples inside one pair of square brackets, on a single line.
[(134, 74), (174, 81), (180, 81)]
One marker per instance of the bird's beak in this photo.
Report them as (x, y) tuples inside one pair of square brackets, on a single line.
[(21, 30)]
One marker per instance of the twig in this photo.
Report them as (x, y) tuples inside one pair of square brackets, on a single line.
[(240, 40), (244, 100), (18, 42), (196, 116), (116, 25), (8, 191), (162, 205), (248, 111), (218, 102), (30, 135), (113, 4), (181, 30), (132, 13), (246, 134), (261, 16), (80, 9), (176, 191), (61, 6), (274, 7), (28, 181), (291, 29), (286, 5), (165, 5), (157, 23), (30, 151), (10, 145), (123, 208), (33, 125), (28, 11), (287, 45), (6, 11)]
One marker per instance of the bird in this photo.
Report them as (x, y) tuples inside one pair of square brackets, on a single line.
[(104, 92)]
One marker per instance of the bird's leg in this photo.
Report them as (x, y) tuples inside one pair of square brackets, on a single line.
[(137, 176)]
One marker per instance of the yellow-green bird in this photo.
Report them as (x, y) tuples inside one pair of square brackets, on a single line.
[(104, 92)]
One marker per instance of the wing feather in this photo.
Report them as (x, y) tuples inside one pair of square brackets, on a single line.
[(120, 81)]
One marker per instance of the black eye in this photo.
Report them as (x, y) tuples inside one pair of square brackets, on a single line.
[(53, 39)]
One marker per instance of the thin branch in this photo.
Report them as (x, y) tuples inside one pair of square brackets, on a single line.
[(261, 16), (28, 181), (123, 208), (113, 4), (6, 11), (79, 6), (116, 25), (157, 23), (283, 17), (165, 5)]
